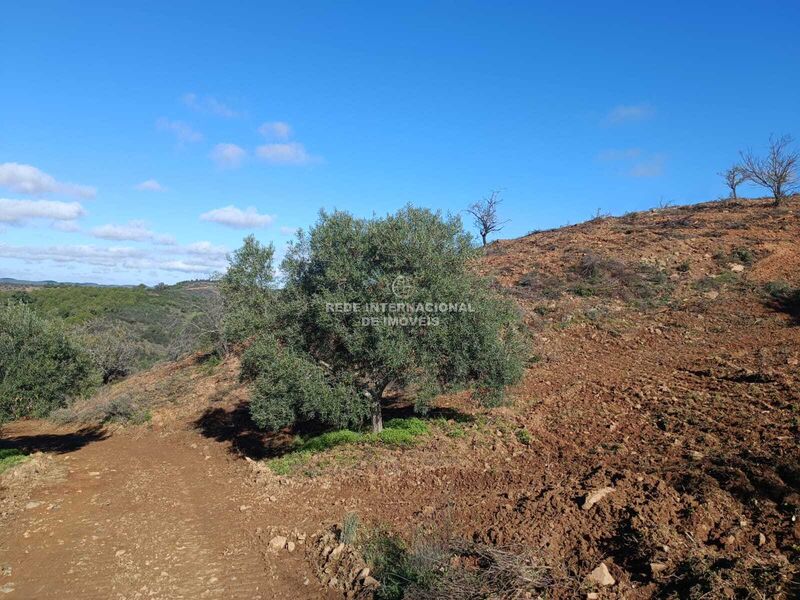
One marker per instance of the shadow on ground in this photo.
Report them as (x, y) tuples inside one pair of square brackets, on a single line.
[(236, 427), (54, 442)]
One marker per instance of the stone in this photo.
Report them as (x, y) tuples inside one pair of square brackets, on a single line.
[(711, 294), (371, 582), (278, 542), (33, 504), (737, 268), (290, 546), (119, 553), (7, 588), (592, 596), (595, 497), (363, 574), (762, 539), (657, 567), (601, 576)]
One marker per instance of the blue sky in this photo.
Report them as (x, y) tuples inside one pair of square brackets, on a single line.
[(140, 141)]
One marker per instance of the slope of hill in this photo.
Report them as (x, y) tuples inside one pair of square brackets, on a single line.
[(656, 433)]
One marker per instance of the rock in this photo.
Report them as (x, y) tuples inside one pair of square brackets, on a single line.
[(711, 294), (371, 582), (336, 551), (595, 497), (363, 574), (290, 546), (5, 570), (244, 507), (7, 588), (601, 576), (33, 504), (278, 542), (762, 539), (736, 268), (592, 596), (657, 567), (119, 553)]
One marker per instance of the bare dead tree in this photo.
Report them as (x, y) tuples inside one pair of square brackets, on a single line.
[(484, 215), (733, 177), (777, 171)]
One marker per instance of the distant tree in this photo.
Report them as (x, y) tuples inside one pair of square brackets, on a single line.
[(112, 347), (484, 214), (777, 171), (41, 367), (334, 365), (247, 290), (733, 178)]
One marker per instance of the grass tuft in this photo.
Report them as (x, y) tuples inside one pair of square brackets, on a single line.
[(10, 457)]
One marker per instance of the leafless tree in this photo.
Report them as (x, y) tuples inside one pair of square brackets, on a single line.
[(484, 214), (733, 177), (777, 171)]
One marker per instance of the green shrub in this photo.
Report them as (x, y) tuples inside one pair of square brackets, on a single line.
[(10, 457), (41, 367)]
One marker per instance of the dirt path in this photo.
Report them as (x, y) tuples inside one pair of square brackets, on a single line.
[(144, 515)]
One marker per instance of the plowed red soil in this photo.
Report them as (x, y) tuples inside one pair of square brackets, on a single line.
[(679, 391)]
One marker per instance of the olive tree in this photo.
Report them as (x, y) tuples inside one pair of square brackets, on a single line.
[(374, 303), (246, 290)]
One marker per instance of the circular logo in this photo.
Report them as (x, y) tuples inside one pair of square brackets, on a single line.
[(402, 287)]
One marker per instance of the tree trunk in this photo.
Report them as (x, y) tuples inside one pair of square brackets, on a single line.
[(483, 237), (377, 417), (734, 192), (377, 413)]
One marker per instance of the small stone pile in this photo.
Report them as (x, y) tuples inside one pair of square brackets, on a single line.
[(340, 566)]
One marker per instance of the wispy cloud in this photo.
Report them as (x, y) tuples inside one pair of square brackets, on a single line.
[(133, 231), (149, 185), (614, 154), (626, 113), (66, 226), (652, 167), (289, 153), (183, 132), (234, 217), (27, 179), (288, 230), (278, 130), (19, 211), (135, 260), (209, 104), (228, 156)]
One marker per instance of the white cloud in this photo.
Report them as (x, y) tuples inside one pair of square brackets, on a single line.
[(206, 249), (149, 185), (134, 231), (290, 153), (17, 211), (652, 167), (231, 216), (612, 155), (625, 113), (228, 155), (209, 104), (276, 129), (66, 226), (27, 179), (116, 257), (182, 131)]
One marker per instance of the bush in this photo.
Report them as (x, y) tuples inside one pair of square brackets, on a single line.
[(10, 457), (41, 367), (112, 347)]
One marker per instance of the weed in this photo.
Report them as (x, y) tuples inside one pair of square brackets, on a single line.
[(349, 531), (524, 437), (10, 457)]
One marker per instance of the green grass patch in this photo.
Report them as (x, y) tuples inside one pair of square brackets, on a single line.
[(396, 432), (10, 457)]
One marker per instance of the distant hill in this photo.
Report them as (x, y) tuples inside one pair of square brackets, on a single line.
[(47, 282)]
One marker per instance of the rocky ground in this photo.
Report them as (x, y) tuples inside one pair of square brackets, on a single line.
[(651, 451)]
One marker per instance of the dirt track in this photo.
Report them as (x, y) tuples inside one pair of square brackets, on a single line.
[(144, 516)]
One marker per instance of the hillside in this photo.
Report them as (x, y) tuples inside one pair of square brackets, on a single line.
[(655, 432)]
